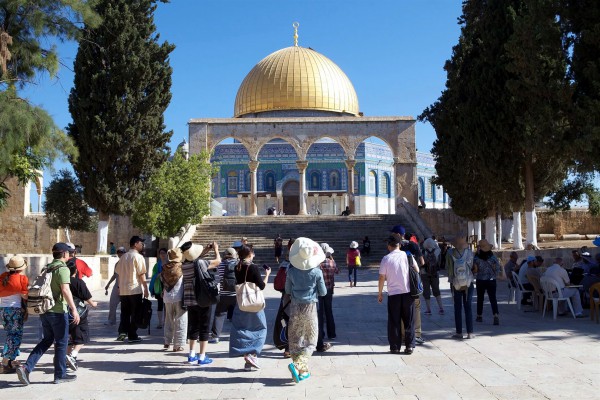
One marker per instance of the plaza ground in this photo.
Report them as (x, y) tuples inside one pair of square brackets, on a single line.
[(526, 357)]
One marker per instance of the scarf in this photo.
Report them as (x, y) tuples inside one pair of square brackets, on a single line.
[(171, 272)]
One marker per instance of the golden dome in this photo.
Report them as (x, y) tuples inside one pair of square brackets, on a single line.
[(296, 78)]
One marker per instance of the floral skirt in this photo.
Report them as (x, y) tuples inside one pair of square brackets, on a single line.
[(13, 320), (303, 333)]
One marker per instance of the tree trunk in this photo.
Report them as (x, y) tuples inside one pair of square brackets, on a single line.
[(470, 228), (477, 229), (530, 216), (68, 234), (490, 229), (517, 235), (103, 220), (499, 230)]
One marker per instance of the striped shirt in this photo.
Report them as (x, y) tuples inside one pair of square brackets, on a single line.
[(189, 281)]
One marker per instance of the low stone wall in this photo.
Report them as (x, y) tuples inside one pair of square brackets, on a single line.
[(103, 267), (443, 222)]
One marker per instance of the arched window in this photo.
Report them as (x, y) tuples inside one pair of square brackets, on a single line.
[(248, 182), (421, 189), (315, 181), (270, 181), (334, 180), (385, 187), (232, 182), (372, 182)]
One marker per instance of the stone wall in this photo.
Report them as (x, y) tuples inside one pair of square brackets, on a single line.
[(25, 232), (443, 222)]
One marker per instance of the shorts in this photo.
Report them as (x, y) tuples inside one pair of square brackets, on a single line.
[(80, 333), (198, 323), (278, 251)]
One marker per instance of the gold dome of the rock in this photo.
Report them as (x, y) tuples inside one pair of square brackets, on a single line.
[(296, 78)]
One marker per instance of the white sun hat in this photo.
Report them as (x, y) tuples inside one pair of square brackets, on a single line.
[(353, 245), (306, 254), (326, 248), (193, 252)]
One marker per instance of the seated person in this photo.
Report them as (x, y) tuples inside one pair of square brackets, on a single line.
[(511, 266), (557, 272), (525, 265)]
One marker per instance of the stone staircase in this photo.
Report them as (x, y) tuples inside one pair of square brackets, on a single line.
[(337, 231)]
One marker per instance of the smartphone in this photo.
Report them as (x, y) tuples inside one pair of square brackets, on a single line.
[(266, 267)]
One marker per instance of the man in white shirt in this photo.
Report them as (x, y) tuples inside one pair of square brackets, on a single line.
[(401, 305), (557, 272)]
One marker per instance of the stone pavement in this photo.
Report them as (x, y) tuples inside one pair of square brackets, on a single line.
[(526, 357)]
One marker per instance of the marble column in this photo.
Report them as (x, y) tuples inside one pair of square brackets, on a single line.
[(334, 204), (253, 165), (302, 165), (240, 204), (350, 164), (317, 205)]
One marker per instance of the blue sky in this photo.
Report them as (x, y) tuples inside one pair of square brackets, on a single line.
[(392, 51)]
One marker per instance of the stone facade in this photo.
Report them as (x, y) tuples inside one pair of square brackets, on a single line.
[(25, 232)]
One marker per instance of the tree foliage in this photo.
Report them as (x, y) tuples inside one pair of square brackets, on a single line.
[(178, 193), (64, 205), (122, 89)]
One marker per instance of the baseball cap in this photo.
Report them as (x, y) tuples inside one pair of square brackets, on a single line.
[(399, 229), (530, 259), (236, 244), (231, 253), (135, 239), (60, 248)]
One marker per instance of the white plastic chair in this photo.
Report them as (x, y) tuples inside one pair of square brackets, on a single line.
[(553, 293), (520, 290)]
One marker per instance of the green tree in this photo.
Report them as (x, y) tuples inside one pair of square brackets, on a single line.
[(122, 89), (178, 193), (65, 207), (30, 139)]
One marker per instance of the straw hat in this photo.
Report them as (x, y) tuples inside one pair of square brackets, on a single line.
[(175, 255), (306, 254), (16, 263), (484, 245), (353, 245), (193, 252)]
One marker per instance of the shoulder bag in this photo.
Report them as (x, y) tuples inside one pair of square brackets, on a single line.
[(249, 296)]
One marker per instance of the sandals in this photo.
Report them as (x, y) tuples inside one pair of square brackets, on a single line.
[(177, 349)]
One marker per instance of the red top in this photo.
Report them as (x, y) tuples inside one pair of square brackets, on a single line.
[(82, 268), (351, 257), (17, 284)]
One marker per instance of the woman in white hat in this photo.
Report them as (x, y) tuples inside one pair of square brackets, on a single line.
[(305, 284), (13, 290), (352, 261)]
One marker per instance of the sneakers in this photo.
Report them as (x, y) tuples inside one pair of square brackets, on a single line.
[(23, 375), (252, 360), (135, 340), (294, 372), (458, 336), (72, 362), (326, 346), (214, 340), (121, 337), (64, 379), (470, 336), (419, 340), (496, 320), (247, 367), (206, 361), (479, 319), (193, 359)]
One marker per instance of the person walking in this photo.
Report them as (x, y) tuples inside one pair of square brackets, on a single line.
[(79, 334), (459, 264), (325, 313), (176, 319), (131, 269), (304, 284), (278, 245), (156, 286), (486, 268), (13, 313), (394, 269), (353, 261), (198, 316), (249, 329), (430, 276), (227, 299), (55, 322), (115, 299)]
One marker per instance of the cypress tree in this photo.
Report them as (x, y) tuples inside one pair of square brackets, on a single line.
[(122, 88)]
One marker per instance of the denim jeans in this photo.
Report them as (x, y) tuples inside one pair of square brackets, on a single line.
[(463, 298), (56, 330)]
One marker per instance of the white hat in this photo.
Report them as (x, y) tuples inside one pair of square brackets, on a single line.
[(353, 245), (72, 246), (306, 254), (326, 248), (193, 252)]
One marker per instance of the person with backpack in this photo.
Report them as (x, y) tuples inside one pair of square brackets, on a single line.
[(486, 268), (459, 264), (353, 261), (430, 276), (366, 247), (79, 334), (394, 269), (304, 284), (133, 287), (13, 291), (226, 271), (325, 312), (249, 329), (156, 286), (176, 319), (198, 314), (53, 282)]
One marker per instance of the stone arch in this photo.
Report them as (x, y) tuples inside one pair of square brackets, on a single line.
[(214, 140), (358, 140), (292, 140)]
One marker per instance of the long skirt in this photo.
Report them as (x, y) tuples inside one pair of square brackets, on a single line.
[(248, 333), (303, 333)]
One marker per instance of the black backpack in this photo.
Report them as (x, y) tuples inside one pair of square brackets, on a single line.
[(431, 262), (229, 281), (206, 287), (144, 315), (416, 285)]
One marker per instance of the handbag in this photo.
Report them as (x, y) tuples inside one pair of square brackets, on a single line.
[(249, 296), (357, 261)]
